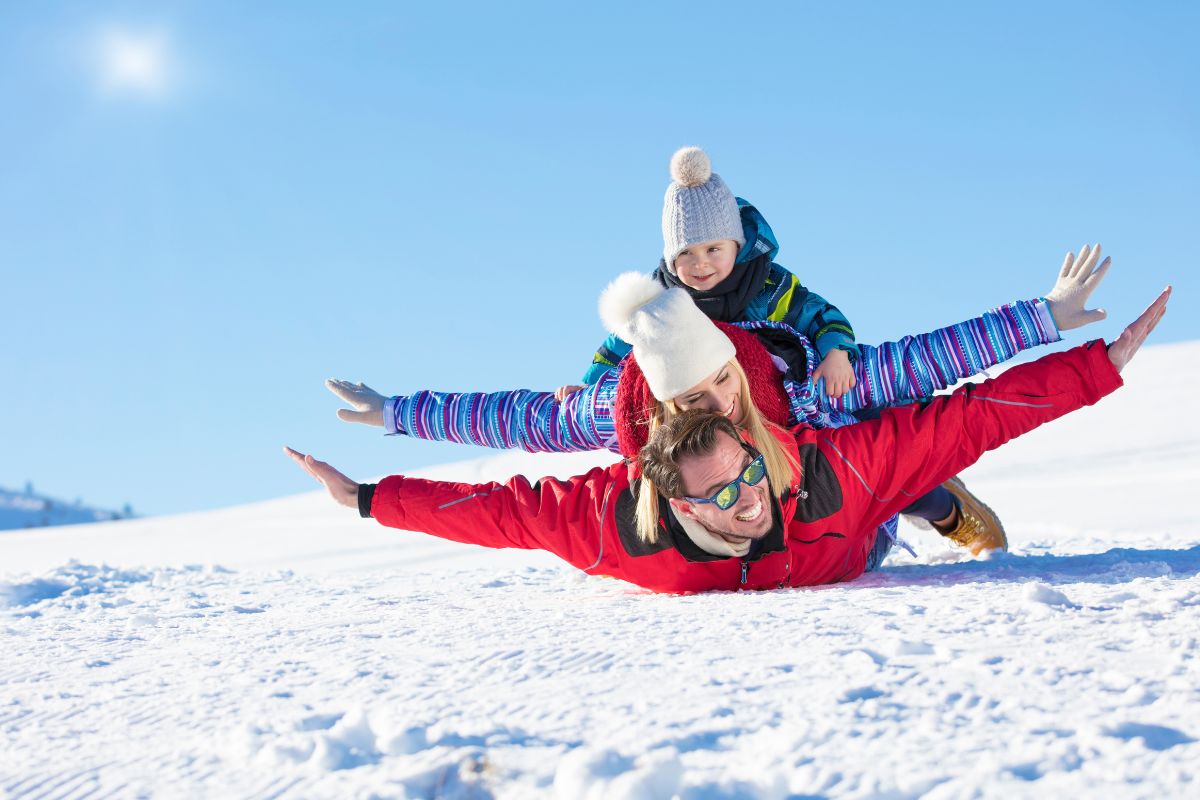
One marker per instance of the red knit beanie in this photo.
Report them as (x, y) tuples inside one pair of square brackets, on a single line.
[(635, 403)]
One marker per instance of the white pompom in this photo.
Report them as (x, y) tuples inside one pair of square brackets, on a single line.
[(628, 292), (690, 166)]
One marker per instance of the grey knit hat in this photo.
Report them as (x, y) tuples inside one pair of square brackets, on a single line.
[(698, 206)]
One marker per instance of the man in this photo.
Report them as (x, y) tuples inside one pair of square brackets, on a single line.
[(820, 530)]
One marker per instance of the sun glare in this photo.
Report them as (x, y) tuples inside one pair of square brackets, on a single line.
[(134, 62)]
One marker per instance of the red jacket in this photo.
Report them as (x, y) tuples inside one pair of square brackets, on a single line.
[(853, 480)]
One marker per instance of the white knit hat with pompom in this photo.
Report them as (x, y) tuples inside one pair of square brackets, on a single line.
[(675, 344), (698, 206)]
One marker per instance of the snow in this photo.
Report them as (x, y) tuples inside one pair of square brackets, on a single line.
[(290, 650), (29, 510)]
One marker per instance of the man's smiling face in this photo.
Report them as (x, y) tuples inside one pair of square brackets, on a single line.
[(705, 475)]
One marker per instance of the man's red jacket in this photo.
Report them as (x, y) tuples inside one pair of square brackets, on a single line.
[(853, 479)]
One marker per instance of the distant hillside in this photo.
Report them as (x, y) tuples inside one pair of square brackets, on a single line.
[(28, 509)]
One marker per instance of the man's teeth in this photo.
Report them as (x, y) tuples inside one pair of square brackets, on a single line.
[(751, 514)]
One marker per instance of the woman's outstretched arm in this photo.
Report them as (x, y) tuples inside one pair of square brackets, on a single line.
[(917, 366), (518, 419)]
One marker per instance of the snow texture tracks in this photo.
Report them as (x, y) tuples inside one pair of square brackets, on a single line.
[(1075, 674)]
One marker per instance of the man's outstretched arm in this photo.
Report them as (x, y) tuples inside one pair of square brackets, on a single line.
[(565, 517), (909, 451)]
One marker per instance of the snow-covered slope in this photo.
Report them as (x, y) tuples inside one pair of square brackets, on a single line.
[(289, 649), (28, 509)]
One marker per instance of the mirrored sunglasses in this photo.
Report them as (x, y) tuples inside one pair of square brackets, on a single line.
[(724, 499)]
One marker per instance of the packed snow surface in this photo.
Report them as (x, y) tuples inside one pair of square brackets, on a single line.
[(291, 650)]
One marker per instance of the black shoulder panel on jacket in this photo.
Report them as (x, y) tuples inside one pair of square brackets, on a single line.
[(821, 483), (783, 345), (627, 528)]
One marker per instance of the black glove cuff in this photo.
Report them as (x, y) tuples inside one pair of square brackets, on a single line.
[(366, 493)]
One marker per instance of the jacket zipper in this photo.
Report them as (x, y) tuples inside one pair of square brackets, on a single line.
[(745, 570)]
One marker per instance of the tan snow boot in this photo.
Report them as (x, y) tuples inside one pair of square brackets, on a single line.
[(978, 527)]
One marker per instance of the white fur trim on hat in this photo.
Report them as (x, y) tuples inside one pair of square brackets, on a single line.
[(628, 292), (676, 346)]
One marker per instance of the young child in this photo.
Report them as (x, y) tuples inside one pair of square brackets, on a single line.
[(720, 250)]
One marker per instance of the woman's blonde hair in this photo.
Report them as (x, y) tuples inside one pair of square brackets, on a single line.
[(692, 435)]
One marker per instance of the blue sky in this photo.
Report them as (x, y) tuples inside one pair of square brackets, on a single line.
[(207, 208)]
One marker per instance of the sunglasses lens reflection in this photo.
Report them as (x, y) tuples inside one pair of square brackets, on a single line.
[(754, 473), (724, 499), (727, 496)]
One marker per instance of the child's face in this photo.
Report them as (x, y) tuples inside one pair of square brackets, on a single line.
[(702, 266)]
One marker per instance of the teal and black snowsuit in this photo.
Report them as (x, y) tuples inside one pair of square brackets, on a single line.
[(757, 290)]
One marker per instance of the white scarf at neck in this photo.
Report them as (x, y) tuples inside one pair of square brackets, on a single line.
[(710, 542)]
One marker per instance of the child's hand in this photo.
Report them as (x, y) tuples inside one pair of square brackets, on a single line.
[(561, 392), (837, 372)]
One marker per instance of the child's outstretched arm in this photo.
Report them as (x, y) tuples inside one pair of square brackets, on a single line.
[(916, 366), (818, 319), (519, 419), (814, 316), (607, 357)]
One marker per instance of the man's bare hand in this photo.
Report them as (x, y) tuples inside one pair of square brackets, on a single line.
[(368, 403), (1121, 351), (343, 490)]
